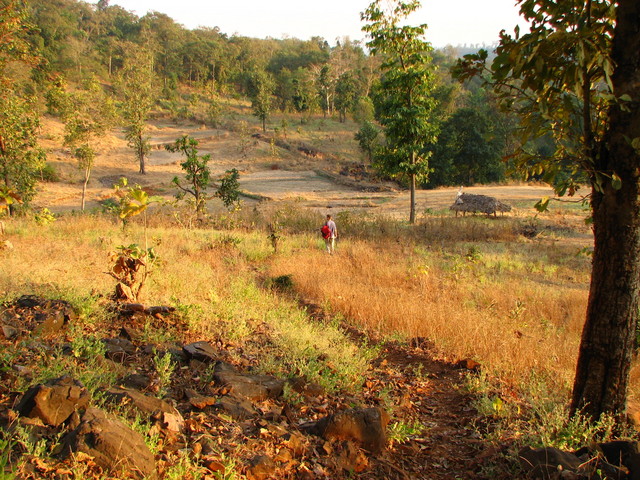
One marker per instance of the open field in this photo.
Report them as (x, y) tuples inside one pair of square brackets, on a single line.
[(395, 302)]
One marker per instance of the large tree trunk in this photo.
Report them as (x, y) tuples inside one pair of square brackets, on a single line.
[(608, 337)]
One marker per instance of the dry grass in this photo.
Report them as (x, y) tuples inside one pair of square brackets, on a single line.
[(515, 306)]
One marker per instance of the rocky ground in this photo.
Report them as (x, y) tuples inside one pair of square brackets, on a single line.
[(223, 415)]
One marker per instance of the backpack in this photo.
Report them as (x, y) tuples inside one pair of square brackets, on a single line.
[(326, 231)]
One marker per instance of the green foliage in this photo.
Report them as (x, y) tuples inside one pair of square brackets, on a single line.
[(44, 217), (367, 138), (196, 169), (132, 200), (557, 78), (164, 366), (468, 150), (229, 189), (260, 91), (401, 432), (87, 114), (20, 156), (346, 94)]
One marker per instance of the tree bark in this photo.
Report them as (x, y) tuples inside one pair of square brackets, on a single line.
[(412, 208), (608, 338)]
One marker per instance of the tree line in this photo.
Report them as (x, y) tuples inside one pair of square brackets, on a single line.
[(99, 65)]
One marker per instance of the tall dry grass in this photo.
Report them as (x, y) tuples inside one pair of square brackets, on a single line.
[(515, 306)]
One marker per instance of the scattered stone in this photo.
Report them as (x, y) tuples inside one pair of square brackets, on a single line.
[(365, 425), (468, 364), (29, 301), (545, 462), (306, 388), (252, 387), (199, 401), (260, 467), (118, 349), (9, 332), (151, 406), (6, 245), (50, 322), (136, 381), (237, 408), (55, 401), (113, 446), (201, 351), (129, 333)]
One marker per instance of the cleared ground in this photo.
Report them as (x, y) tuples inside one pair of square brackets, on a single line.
[(267, 172)]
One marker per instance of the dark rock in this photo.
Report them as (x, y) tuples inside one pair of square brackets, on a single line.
[(545, 462), (29, 301), (55, 401), (136, 381), (199, 401), (365, 425), (113, 446), (260, 467), (238, 409), (129, 333), (151, 406), (9, 332), (202, 351), (610, 457), (468, 364), (252, 387), (118, 349)]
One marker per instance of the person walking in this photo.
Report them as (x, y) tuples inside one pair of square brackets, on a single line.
[(330, 233)]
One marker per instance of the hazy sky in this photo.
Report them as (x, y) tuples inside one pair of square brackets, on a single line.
[(454, 22)]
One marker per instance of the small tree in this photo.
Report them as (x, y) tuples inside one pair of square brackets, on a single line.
[(196, 171), (346, 95), (229, 189), (261, 93), (87, 114), (137, 95), (404, 102), (367, 138)]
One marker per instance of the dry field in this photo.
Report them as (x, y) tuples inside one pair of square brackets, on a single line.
[(478, 287)]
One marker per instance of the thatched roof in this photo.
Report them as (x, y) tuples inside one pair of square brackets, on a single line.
[(468, 202)]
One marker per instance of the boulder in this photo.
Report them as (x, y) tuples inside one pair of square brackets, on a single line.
[(118, 349), (9, 332), (201, 351), (365, 425), (113, 446), (306, 388), (136, 381), (236, 408), (55, 401), (252, 387)]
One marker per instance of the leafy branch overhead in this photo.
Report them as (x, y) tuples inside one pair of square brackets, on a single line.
[(558, 78)]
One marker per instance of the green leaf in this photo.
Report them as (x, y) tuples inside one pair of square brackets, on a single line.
[(542, 205), (616, 182)]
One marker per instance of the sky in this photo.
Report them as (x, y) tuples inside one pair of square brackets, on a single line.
[(450, 22)]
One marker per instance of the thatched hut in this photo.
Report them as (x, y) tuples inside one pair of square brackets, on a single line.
[(468, 202)]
